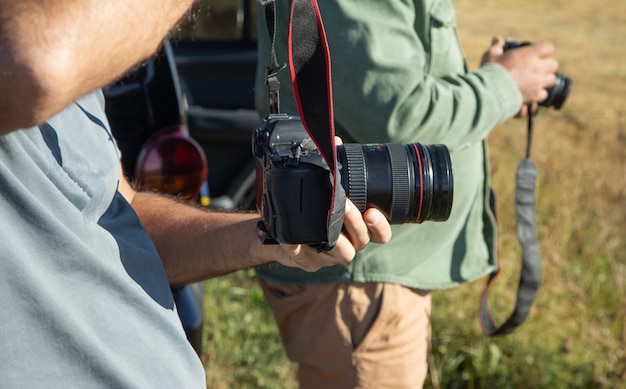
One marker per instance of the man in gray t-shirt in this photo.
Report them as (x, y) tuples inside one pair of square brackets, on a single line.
[(78, 272), (86, 262)]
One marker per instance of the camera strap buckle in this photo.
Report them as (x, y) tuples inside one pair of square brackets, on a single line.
[(273, 87)]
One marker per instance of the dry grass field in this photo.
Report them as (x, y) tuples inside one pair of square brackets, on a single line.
[(575, 336)]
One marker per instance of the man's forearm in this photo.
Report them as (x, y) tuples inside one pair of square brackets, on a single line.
[(195, 244), (54, 51)]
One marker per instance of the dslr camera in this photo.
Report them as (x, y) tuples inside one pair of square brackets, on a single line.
[(409, 183), (561, 88)]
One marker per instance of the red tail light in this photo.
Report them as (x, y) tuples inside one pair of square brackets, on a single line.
[(172, 162)]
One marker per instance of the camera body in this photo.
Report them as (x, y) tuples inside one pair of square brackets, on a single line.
[(557, 94), (408, 183), (293, 184)]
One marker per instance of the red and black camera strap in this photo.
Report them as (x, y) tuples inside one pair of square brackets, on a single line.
[(309, 64)]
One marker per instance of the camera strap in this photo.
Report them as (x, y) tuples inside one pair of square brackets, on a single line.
[(271, 76), (309, 65), (530, 276)]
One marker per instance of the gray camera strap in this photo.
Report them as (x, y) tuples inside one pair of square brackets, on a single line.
[(530, 277)]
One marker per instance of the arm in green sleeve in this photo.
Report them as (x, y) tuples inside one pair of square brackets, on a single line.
[(399, 75)]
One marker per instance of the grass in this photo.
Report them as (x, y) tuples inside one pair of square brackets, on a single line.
[(242, 345), (575, 336)]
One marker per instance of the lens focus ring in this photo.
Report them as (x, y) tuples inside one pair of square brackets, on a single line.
[(355, 171), (400, 177)]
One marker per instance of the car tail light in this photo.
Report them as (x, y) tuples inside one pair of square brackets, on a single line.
[(172, 162)]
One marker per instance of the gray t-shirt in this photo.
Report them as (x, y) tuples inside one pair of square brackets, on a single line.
[(84, 298)]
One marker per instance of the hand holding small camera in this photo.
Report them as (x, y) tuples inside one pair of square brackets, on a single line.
[(534, 70)]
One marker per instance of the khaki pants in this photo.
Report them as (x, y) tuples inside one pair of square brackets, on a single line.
[(353, 335)]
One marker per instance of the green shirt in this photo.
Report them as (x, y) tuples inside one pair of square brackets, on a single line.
[(399, 76)]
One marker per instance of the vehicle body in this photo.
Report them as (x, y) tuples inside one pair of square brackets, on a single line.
[(218, 80), (216, 57)]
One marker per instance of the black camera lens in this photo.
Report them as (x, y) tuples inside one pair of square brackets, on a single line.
[(558, 92), (409, 183)]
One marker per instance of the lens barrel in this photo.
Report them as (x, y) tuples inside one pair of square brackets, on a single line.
[(558, 92), (409, 183)]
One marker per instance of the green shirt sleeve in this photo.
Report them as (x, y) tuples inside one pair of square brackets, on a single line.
[(403, 59)]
